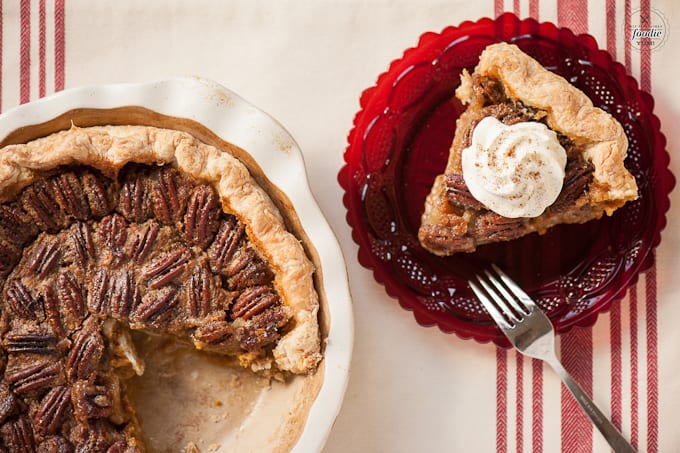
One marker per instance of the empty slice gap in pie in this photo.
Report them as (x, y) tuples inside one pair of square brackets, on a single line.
[(529, 152), (112, 228)]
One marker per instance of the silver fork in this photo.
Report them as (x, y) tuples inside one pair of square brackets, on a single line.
[(531, 333)]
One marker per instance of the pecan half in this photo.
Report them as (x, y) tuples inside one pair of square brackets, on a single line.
[(131, 203), (226, 243), (15, 225), (17, 435), (443, 238), (263, 329), (217, 336), (71, 297), (578, 176), (253, 301), (203, 213), (200, 292), (99, 436), (45, 256), (22, 302), (34, 377), (30, 342), (52, 410), (494, 227), (38, 202), (80, 235), (124, 294), (113, 233), (515, 112), (166, 197), (214, 332), (98, 195), (98, 297), (51, 305), (247, 269), (70, 196), (166, 267), (489, 88), (86, 352), (144, 242), (91, 401), (458, 193), (157, 307)]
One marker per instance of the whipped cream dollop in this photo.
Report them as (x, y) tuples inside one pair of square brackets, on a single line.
[(516, 170)]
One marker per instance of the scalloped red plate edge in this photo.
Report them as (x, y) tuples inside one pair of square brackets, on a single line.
[(661, 165)]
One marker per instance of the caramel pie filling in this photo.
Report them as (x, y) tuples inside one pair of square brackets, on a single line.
[(574, 142), (83, 257), (486, 226)]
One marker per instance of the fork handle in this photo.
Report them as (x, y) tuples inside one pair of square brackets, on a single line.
[(616, 440)]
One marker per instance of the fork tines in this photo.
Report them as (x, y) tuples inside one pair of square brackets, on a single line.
[(505, 301)]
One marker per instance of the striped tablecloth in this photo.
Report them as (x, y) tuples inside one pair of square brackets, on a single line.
[(621, 352), (306, 62)]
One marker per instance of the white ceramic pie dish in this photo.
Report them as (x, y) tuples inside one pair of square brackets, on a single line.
[(216, 408)]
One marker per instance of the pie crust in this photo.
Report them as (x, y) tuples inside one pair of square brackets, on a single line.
[(110, 150), (593, 136)]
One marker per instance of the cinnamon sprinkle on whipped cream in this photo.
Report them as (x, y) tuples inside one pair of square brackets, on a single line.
[(514, 170)]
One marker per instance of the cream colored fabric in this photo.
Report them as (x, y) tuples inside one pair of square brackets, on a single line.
[(306, 62)]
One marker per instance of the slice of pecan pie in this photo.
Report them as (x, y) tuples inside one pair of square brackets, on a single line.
[(108, 229), (529, 152)]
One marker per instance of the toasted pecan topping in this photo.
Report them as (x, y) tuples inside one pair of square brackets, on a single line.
[(22, 302), (202, 216), (52, 410), (459, 194), (30, 342), (484, 226), (33, 378), (151, 249)]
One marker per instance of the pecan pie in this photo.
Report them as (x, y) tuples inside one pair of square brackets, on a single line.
[(513, 89), (112, 228)]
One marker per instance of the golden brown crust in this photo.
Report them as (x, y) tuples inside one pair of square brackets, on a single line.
[(109, 148), (597, 135), (569, 111)]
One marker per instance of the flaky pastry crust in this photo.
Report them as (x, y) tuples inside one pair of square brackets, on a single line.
[(109, 148), (565, 109)]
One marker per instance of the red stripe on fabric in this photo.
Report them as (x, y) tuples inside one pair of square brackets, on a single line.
[(577, 356), (533, 9), (537, 406), (611, 27), (626, 36), (515, 7), (576, 347), (652, 362), (615, 334), (573, 14), (645, 53), (501, 400), (519, 391), (634, 368), (41, 49), (615, 327), (498, 8), (59, 44), (25, 52)]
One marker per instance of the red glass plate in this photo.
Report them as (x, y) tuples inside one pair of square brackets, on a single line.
[(400, 142)]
